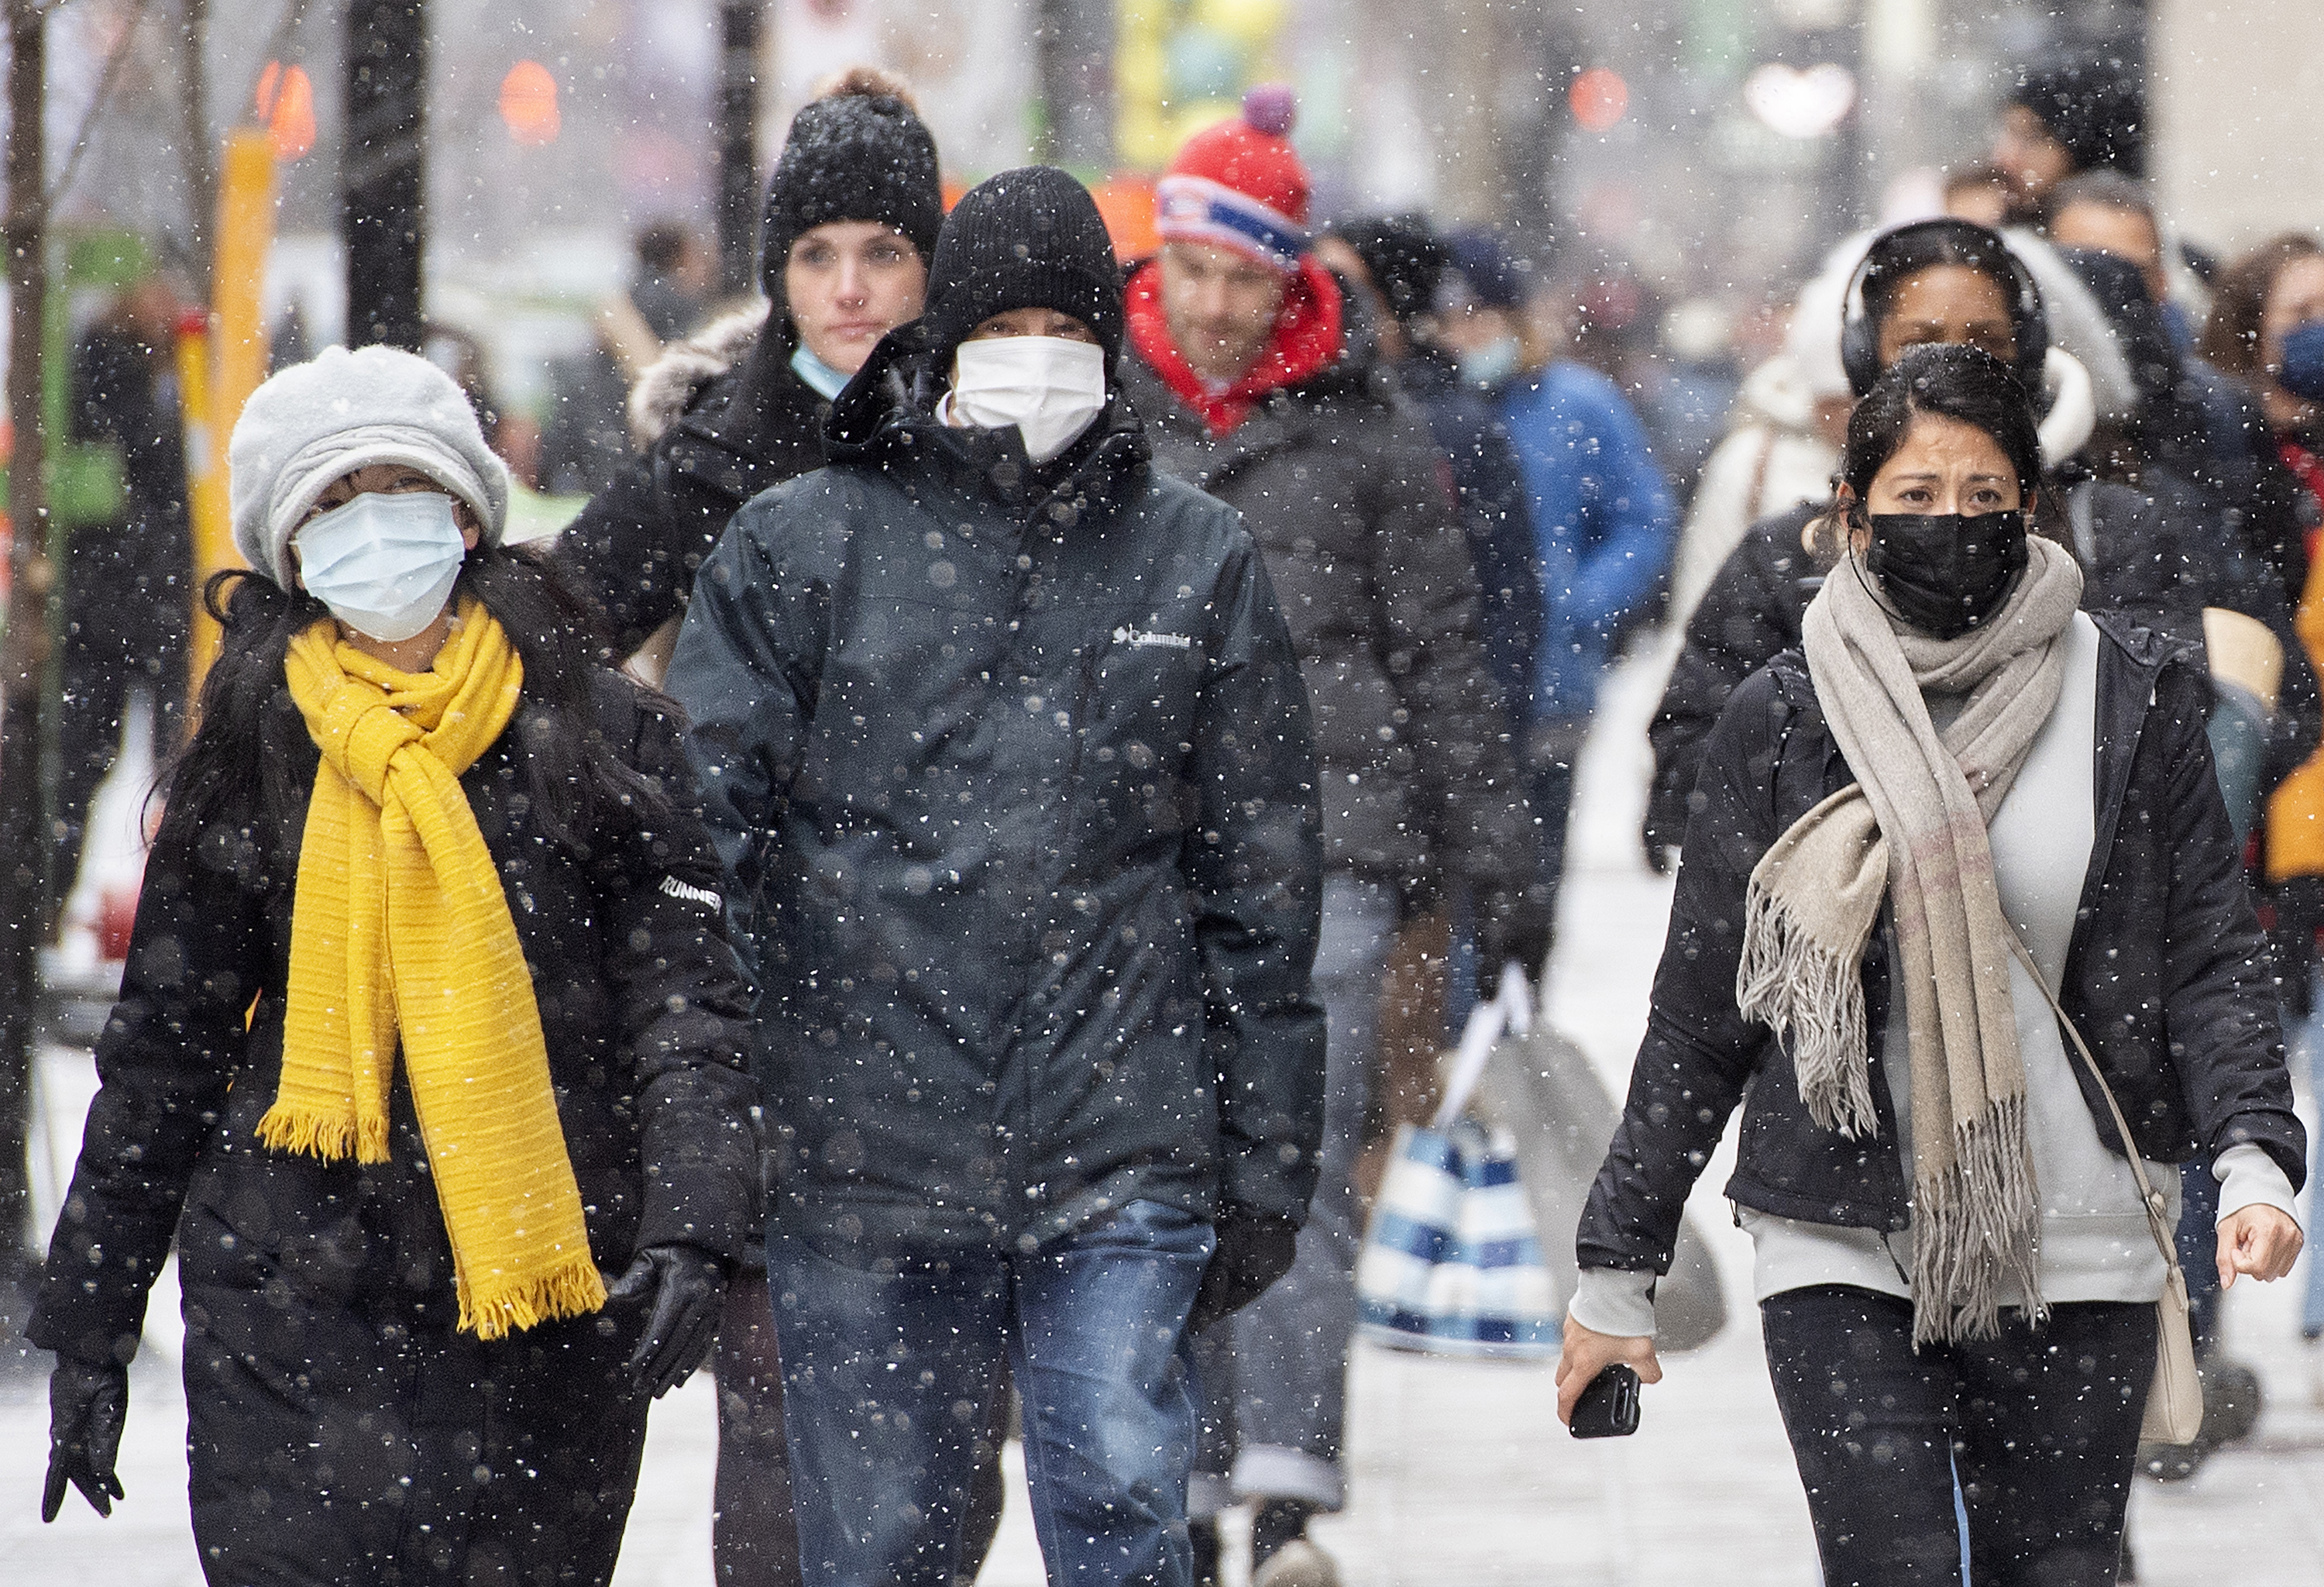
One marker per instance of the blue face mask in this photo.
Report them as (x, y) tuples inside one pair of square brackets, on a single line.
[(2302, 374), (1493, 363), (821, 379), (384, 563)]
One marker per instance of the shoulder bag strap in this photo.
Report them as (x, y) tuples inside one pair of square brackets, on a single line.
[(2158, 1221)]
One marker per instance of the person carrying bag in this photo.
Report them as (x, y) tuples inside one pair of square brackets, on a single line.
[(1962, 1259)]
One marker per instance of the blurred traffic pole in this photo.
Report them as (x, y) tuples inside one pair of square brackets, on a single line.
[(740, 31), (383, 171), (25, 647), (1074, 54), (242, 237)]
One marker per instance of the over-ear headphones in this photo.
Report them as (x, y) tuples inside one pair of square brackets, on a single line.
[(1859, 337)]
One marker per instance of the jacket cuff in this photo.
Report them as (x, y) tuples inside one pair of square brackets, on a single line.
[(2249, 1178), (1609, 1300)]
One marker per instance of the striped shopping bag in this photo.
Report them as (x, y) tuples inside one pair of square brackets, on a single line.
[(1451, 1264)]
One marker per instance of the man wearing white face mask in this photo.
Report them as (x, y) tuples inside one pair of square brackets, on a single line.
[(1003, 740)]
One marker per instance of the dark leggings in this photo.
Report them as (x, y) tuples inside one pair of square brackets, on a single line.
[(754, 1538), (2041, 1426)]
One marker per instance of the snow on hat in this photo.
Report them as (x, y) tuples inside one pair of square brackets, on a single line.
[(1403, 256), (1030, 238), (1241, 185), (861, 151), (320, 421)]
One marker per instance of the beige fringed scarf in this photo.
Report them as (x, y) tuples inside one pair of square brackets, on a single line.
[(1911, 829)]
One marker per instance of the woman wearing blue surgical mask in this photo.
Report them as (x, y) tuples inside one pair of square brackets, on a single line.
[(851, 218), (429, 1051), (1960, 799)]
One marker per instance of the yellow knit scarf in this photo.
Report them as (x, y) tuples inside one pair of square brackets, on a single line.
[(400, 927)]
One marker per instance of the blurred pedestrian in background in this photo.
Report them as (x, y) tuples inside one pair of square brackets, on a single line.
[(430, 1046), (1261, 382), (2267, 329), (1003, 737), (128, 585), (1937, 280), (1951, 1247), (851, 221), (2066, 115), (586, 440), (1604, 522), (1400, 262)]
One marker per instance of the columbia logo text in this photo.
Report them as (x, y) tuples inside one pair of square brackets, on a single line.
[(1141, 637)]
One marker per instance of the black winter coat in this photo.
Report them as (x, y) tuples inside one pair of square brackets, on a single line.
[(1013, 771), (730, 418), (340, 1428), (2152, 555), (1344, 490), (641, 1006), (2165, 976)]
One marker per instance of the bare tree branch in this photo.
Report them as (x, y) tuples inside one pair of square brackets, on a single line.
[(114, 60)]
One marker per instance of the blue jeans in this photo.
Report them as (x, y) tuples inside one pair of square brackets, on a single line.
[(887, 1384)]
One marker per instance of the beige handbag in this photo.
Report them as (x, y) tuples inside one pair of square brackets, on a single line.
[(2175, 1405)]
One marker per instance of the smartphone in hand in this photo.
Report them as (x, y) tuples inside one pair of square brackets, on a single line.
[(1609, 1406)]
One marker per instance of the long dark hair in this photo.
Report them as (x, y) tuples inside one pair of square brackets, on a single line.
[(1965, 383), (251, 751), (2231, 336)]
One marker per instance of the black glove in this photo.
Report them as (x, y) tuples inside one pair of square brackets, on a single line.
[(1254, 1250), (88, 1402), (1514, 923), (690, 1289)]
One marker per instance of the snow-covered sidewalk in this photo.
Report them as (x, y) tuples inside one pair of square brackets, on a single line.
[(1461, 1474)]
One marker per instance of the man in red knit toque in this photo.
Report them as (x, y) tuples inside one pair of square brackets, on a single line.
[(1259, 382)]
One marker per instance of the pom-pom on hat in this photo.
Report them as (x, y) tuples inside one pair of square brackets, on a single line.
[(1241, 185), (320, 421), (860, 152)]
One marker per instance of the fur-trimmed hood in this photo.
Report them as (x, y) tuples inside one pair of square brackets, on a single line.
[(672, 383)]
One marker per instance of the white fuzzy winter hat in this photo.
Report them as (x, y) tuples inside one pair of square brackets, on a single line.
[(320, 421)]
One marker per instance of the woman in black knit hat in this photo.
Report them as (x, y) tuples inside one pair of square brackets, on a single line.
[(850, 222)]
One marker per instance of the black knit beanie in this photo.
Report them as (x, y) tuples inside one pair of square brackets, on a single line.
[(1030, 238), (1403, 255), (2096, 108), (861, 153)]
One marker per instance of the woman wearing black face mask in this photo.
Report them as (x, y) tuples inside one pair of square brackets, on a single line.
[(1954, 1263)]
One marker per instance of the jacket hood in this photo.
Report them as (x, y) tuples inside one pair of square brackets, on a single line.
[(2065, 430), (672, 383), (1779, 393), (2077, 323)]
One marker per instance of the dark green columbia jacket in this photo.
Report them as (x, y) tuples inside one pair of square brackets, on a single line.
[(1012, 770)]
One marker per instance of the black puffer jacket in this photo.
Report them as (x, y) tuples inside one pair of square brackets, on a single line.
[(642, 1007), (1013, 770), (2165, 976), (726, 417), (1350, 500), (2152, 555)]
